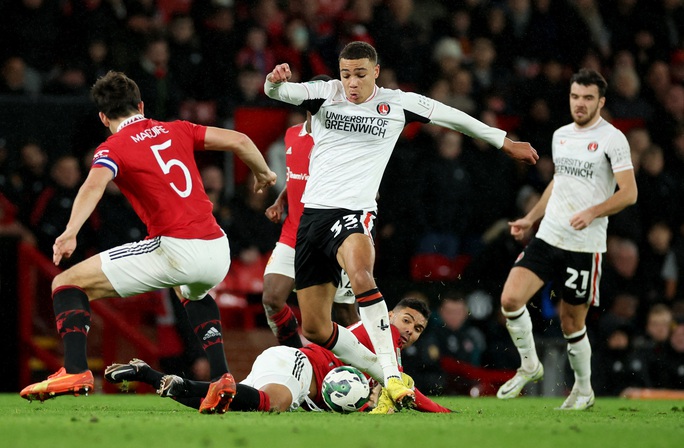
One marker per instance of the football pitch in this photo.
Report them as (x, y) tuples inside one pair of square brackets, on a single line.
[(130, 421)]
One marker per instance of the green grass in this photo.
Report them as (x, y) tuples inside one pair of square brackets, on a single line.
[(128, 421)]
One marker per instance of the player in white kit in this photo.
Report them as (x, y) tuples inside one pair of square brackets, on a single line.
[(355, 125), (590, 156)]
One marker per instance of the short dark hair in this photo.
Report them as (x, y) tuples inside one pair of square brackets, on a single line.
[(359, 50), (115, 95), (590, 77), (414, 303)]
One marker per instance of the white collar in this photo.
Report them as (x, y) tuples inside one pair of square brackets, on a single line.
[(129, 120)]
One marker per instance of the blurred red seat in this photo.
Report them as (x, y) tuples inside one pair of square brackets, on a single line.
[(437, 267)]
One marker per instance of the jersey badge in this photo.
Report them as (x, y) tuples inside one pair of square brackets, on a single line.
[(593, 146), (383, 108), (101, 153)]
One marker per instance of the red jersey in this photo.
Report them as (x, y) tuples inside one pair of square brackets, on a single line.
[(298, 145), (154, 167)]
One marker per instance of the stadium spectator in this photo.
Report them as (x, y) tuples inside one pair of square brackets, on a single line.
[(53, 207), (157, 84), (668, 370), (219, 44), (16, 78), (251, 234), (30, 29), (213, 181), (444, 193), (658, 189), (626, 100), (493, 196), (186, 61), (31, 177), (616, 365), (396, 32), (298, 51), (255, 53), (657, 264), (456, 337)]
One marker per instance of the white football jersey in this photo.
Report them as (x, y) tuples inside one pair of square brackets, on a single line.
[(353, 142), (585, 160)]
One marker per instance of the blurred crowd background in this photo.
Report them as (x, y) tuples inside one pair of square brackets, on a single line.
[(445, 198)]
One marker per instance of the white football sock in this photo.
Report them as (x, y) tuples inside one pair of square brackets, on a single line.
[(520, 330), (376, 320), (579, 355), (352, 352)]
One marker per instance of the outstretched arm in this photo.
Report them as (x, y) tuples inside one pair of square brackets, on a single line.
[(86, 200), (277, 87), (218, 139), (446, 116)]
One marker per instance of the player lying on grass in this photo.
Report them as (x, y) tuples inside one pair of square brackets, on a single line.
[(284, 378)]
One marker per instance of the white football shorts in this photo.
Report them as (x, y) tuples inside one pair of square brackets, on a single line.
[(164, 262), (286, 366), (282, 262)]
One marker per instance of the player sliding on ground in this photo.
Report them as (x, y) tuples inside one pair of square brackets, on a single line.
[(285, 378)]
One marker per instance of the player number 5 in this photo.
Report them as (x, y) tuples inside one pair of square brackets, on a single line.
[(166, 168)]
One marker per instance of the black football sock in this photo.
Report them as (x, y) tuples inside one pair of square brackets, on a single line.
[(150, 376), (246, 398), (72, 315), (205, 319), (195, 388)]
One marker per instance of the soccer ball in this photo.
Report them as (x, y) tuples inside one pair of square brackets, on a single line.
[(345, 389)]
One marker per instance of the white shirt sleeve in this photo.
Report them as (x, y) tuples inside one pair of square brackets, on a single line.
[(296, 93), (289, 92), (448, 117), (619, 153)]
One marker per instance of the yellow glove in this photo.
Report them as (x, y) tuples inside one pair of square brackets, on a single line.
[(385, 404), (408, 381)]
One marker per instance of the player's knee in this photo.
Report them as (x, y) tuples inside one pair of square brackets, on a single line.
[(279, 396), (314, 333), (273, 303), (362, 280), (509, 303), (62, 279)]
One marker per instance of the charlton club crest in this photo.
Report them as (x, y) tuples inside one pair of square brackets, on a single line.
[(383, 108), (593, 146)]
